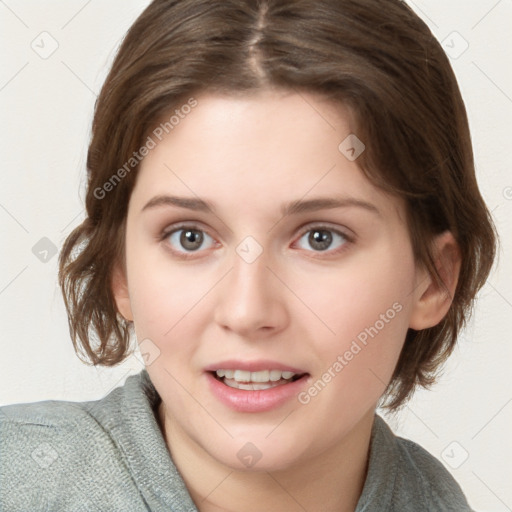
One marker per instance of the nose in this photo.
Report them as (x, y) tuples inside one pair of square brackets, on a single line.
[(251, 299)]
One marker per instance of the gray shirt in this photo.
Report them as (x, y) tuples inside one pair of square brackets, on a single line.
[(110, 455)]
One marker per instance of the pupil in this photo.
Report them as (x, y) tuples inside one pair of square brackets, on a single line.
[(323, 240)]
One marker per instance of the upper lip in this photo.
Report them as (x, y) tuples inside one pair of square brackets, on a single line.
[(252, 366)]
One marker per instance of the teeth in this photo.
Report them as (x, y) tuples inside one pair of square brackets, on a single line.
[(251, 386), (262, 376), (275, 375), (254, 377), (242, 376)]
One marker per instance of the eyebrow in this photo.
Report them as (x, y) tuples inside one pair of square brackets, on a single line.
[(291, 208)]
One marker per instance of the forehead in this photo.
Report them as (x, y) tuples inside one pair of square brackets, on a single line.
[(256, 151)]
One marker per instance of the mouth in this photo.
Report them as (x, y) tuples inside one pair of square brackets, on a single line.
[(256, 381), (254, 386)]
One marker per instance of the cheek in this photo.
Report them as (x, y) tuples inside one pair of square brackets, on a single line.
[(349, 299), (162, 295), (364, 319)]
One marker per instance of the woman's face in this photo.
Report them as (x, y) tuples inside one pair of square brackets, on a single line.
[(296, 280)]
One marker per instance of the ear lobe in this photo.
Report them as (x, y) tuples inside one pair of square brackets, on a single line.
[(432, 301), (119, 286)]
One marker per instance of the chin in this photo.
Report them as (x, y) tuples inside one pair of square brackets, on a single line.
[(256, 455)]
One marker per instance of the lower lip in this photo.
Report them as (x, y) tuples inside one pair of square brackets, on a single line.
[(242, 400)]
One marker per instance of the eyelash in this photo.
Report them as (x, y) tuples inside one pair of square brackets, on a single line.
[(194, 227)]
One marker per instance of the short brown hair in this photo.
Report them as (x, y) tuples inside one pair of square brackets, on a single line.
[(376, 57)]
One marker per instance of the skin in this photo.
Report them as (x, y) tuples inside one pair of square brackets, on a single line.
[(295, 303)]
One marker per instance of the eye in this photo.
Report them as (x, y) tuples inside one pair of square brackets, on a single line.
[(185, 239), (321, 238)]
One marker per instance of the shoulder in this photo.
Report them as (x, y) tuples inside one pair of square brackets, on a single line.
[(28, 430), (49, 413), (404, 477), (57, 455), (422, 477)]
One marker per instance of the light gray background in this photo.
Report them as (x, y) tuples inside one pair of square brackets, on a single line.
[(46, 107)]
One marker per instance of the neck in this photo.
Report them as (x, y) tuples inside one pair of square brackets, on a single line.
[(334, 480)]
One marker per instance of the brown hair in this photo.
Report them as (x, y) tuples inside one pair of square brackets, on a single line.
[(374, 56)]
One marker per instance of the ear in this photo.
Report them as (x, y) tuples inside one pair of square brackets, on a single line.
[(119, 286), (432, 302)]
